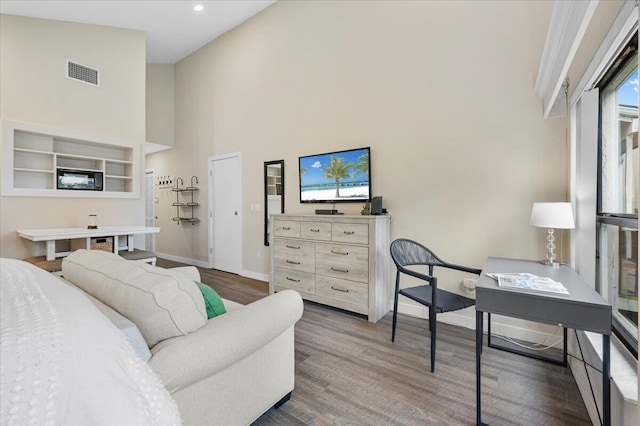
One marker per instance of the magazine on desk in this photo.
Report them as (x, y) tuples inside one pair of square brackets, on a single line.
[(529, 282)]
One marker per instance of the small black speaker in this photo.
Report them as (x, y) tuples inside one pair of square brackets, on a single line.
[(376, 205)]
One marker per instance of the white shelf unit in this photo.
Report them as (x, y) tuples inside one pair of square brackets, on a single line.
[(274, 181), (32, 154)]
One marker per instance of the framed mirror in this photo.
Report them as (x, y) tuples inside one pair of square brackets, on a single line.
[(273, 193)]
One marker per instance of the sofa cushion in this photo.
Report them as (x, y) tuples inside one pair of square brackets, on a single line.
[(162, 304)]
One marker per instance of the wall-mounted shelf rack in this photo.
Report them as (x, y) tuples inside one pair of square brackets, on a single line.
[(192, 204)]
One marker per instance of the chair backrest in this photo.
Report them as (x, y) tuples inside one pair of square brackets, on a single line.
[(406, 252)]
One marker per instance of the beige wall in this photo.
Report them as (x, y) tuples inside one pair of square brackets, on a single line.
[(33, 88), (160, 103), (441, 91)]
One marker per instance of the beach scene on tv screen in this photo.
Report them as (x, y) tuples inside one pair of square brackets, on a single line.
[(340, 176)]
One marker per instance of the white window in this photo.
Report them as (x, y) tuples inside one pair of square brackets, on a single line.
[(618, 186)]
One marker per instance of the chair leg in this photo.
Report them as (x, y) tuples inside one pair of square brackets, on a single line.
[(429, 316), (395, 318), (432, 325)]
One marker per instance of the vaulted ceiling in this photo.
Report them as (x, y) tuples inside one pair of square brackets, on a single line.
[(173, 28)]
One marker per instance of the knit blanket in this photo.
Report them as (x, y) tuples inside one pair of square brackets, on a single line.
[(62, 362)]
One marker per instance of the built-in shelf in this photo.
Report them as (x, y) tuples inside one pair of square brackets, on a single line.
[(32, 154)]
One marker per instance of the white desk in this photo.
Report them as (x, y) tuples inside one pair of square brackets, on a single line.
[(51, 235)]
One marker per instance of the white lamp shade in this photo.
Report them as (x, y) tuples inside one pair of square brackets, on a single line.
[(552, 215)]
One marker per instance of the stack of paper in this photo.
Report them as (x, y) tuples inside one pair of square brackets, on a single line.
[(529, 282)]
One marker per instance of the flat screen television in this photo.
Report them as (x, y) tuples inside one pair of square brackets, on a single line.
[(336, 177), (79, 180)]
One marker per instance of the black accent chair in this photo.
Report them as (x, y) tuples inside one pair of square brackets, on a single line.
[(410, 253)]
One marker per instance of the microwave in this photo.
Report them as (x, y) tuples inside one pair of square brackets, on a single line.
[(83, 180)]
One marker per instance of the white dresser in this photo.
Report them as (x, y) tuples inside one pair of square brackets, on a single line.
[(341, 261)]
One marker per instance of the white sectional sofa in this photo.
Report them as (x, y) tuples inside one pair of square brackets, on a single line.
[(227, 370)]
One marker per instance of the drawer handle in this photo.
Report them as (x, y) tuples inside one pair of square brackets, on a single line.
[(340, 253), (293, 279), (286, 228), (343, 290), (344, 270), (349, 232), (292, 262), (314, 230), (293, 247)]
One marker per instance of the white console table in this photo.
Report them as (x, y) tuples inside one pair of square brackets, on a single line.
[(51, 235)]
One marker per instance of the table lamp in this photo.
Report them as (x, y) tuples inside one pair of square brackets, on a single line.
[(552, 216), (92, 223)]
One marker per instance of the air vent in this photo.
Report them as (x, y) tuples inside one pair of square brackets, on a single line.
[(78, 72)]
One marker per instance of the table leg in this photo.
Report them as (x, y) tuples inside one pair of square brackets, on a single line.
[(130, 242), (116, 244), (51, 250), (606, 379), (479, 321), (564, 347)]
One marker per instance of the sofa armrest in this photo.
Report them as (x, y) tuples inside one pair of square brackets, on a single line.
[(224, 340), (190, 272)]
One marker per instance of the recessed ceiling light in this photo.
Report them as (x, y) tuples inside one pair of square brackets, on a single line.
[(198, 7)]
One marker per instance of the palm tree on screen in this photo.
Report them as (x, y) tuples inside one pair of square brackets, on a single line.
[(337, 170), (362, 166)]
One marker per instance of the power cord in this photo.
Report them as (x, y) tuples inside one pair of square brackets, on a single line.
[(536, 346)]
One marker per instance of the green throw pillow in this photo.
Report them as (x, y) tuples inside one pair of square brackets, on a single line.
[(212, 301)]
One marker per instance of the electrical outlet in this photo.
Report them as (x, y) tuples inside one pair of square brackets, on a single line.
[(258, 255), (469, 285)]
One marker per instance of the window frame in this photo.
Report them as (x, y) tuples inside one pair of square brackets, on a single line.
[(614, 74)]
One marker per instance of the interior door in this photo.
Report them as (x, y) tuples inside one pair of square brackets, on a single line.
[(225, 213), (149, 208)]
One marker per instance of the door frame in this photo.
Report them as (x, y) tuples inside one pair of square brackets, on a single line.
[(152, 172), (210, 161)]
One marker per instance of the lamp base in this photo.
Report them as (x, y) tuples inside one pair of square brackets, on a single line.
[(551, 264)]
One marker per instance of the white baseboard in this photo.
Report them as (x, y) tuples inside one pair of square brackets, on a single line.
[(466, 318), (188, 261), (255, 275)]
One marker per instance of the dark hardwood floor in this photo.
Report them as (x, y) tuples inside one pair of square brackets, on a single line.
[(349, 373)]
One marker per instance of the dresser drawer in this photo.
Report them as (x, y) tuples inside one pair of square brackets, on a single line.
[(342, 253), (356, 233), (315, 230), (286, 228), (354, 271), (303, 282), (294, 254), (343, 290)]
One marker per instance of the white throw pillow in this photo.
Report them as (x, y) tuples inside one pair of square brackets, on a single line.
[(161, 303)]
